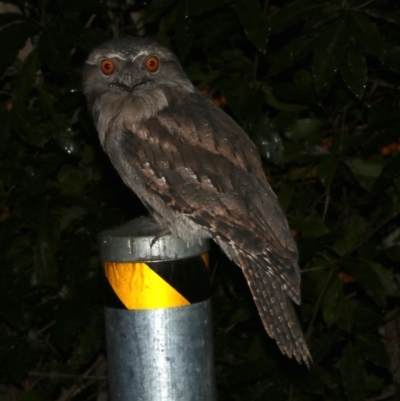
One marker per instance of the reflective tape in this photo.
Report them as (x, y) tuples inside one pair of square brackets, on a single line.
[(155, 285)]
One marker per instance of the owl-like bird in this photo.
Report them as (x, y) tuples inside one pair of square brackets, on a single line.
[(196, 171)]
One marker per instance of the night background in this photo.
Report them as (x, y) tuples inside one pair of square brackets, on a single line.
[(315, 84)]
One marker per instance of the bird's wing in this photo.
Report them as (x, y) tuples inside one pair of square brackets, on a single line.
[(201, 164), (276, 312)]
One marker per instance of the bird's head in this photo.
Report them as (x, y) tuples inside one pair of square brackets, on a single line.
[(132, 67)]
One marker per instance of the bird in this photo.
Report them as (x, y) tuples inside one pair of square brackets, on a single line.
[(196, 171)]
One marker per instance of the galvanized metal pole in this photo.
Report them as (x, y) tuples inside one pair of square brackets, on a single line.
[(157, 314)]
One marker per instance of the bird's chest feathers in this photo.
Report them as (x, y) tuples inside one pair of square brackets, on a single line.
[(117, 111)]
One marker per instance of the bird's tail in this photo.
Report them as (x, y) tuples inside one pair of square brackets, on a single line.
[(276, 311)]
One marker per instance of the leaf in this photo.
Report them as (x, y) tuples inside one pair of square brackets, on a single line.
[(252, 106), (353, 373), (72, 178), (390, 171), (19, 32), (353, 228), (366, 276), (326, 169), (44, 250), (374, 384), (386, 277), (367, 318), (333, 301), (293, 13), (32, 396), (354, 72), (305, 128), (183, 31), (200, 7), (310, 226), (71, 214), (27, 77), (365, 172), (366, 33), (324, 345), (156, 8), (88, 344), (277, 104), (293, 52), (268, 141), (329, 53), (253, 22), (7, 18), (373, 349), (391, 56), (53, 49), (285, 195), (391, 17)]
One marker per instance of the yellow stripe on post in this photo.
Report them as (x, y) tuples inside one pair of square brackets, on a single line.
[(206, 258), (139, 287)]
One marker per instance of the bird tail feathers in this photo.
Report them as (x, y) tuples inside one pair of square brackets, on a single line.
[(276, 310)]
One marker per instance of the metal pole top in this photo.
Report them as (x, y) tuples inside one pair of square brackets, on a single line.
[(133, 242)]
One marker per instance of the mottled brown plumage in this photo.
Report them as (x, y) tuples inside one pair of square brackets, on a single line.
[(196, 171)]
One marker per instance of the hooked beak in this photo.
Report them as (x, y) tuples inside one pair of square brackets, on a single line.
[(129, 79)]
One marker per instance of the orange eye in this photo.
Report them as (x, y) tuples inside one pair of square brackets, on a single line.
[(107, 66), (152, 63)]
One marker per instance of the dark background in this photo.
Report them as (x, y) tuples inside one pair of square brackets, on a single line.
[(316, 86)]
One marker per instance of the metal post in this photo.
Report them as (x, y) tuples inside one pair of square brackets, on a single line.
[(157, 315)]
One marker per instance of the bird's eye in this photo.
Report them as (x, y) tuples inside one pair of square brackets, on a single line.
[(107, 66), (152, 63)]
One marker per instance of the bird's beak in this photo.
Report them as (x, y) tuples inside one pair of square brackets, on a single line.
[(129, 79)]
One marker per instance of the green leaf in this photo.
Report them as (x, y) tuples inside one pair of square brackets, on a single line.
[(365, 172), (353, 373), (254, 22), (366, 33), (393, 252), (330, 53), (19, 32), (71, 214), (285, 195), (354, 228), (201, 7), (390, 171), (8, 18), (156, 8), (367, 318), (54, 50), (391, 17), (27, 77), (333, 301), (310, 226), (373, 349), (293, 52), (374, 384), (293, 13), (32, 396), (305, 128), (268, 141), (326, 169), (88, 344), (391, 57), (71, 178), (366, 276), (354, 72), (277, 104), (386, 277), (183, 30), (324, 345)]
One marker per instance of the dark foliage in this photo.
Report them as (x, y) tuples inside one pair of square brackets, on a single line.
[(314, 83)]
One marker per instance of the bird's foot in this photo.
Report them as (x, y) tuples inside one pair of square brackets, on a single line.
[(163, 232)]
